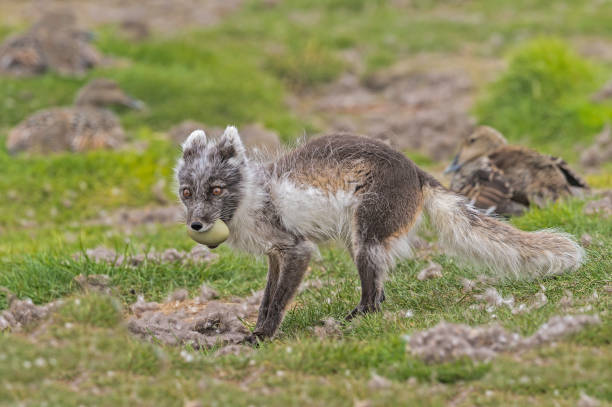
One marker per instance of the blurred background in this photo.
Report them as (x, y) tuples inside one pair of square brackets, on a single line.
[(78, 161)]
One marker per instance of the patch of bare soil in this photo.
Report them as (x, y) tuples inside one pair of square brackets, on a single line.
[(446, 342), (595, 48), (199, 322), (601, 151), (23, 312), (157, 15), (410, 109), (602, 206), (101, 254)]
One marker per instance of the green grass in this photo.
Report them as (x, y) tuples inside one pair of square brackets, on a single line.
[(239, 72), (370, 344), (50, 191), (543, 97)]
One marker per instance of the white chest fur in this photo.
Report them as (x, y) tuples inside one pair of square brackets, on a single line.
[(314, 213)]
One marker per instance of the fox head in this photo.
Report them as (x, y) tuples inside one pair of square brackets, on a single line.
[(210, 178)]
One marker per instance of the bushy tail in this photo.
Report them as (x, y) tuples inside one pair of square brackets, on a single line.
[(507, 251)]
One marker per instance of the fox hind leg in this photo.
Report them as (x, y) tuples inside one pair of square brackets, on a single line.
[(378, 226), (371, 264)]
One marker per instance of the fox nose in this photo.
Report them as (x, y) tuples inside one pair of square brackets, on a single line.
[(196, 226)]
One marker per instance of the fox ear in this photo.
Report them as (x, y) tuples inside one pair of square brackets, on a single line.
[(196, 140), (230, 144)]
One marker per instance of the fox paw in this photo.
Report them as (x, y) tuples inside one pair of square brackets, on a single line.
[(362, 310)]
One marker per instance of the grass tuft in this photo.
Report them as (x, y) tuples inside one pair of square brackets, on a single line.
[(543, 97)]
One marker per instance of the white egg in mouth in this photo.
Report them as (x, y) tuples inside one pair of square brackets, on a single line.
[(213, 237)]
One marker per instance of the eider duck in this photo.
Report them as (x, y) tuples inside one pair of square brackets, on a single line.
[(85, 126), (506, 179), (53, 43)]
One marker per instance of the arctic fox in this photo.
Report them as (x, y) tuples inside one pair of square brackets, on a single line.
[(350, 188)]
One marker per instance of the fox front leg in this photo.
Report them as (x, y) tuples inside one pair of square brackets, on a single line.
[(293, 262), (272, 281)]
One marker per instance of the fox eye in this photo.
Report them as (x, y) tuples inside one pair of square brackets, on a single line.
[(216, 191), (186, 193)]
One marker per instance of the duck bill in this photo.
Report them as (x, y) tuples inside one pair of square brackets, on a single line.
[(136, 104), (453, 166)]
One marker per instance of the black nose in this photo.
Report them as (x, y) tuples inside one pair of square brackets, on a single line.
[(196, 225)]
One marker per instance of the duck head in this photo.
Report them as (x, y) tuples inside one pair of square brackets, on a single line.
[(103, 92), (482, 141)]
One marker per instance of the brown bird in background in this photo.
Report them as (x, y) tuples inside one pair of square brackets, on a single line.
[(52, 43), (86, 126), (507, 179)]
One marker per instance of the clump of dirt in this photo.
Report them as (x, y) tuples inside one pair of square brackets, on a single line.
[(179, 295), (447, 342), (54, 42), (255, 136), (100, 283), (601, 150), (601, 206), (207, 293), (23, 312), (586, 240), (330, 329), (102, 254), (423, 110), (433, 270), (198, 322)]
